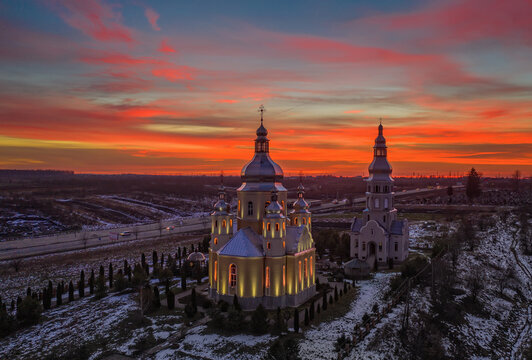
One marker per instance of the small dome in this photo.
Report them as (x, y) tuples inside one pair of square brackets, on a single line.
[(196, 256), (300, 205), (261, 131)]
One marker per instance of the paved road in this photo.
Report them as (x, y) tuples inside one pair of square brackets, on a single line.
[(74, 241)]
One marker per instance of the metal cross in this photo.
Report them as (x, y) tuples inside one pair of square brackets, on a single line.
[(261, 110)]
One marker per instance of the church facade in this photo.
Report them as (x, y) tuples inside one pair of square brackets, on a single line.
[(262, 254), (378, 237)]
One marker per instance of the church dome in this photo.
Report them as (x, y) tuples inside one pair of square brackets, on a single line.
[(380, 169)]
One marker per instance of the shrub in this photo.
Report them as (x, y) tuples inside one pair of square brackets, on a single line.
[(29, 311), (223, 305), (120, 281), (259, 320), (170, 299), (236, 305), (101, 289), (70, 292), (156, 298), (235, 320)]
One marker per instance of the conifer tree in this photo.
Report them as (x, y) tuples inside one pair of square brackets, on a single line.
[(128, 273), (335, 294), (81, 286), (28, 291), (307, 319), (156, 298), (50, 288), (101, 289), (91, 283), (102, 271), (143, 260), (345, 287), (236, 305), (296, 320), (330, 299), (318, 309), (259, 320), (70, 291), (170, 298), (183, 278), (162, 260), (324, 301), (110, 275), (126, 265), (59, 295), (155, 259)]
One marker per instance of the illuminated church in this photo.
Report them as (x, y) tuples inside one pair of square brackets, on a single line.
[(263, 254), (378, 236)]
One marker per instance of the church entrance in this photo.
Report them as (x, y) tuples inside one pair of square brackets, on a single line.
[(371, 249)]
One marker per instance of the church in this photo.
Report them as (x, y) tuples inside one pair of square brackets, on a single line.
[(263, 254), (378, 237)]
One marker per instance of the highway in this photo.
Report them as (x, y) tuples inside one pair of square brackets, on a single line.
[(28, 247)]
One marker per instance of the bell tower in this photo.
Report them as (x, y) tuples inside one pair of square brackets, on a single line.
[(300, 215), (274, 228), (379, 192), (221, 221)]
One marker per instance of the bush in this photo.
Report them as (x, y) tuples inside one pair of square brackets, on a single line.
[(139, 276), (236, 305), (284, 349), (259, 320), (120, 281), (280, 323), (101, 289), (170, 299), (223, 305), (29, 311), (156, 298), (235, 320)]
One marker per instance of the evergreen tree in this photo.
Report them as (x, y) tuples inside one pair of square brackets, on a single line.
[(81, 286), (193, 300), (236, 305), (311, 311), (46, 303), (102, 271), (155, 258), (143, 260), (473, 185), (120, 281), (101, 289), (128, 273), (59, 296), (110, 275), (259, 320), (191, 248), (183, 278), (307, 320), (330, 299), (296, 320), (156, 298), (162, 260), (324, 301), (184, 253), (280, 323), (50, 288), (126, 265), (335, 294), (70, 292), (91, 283), (29, 311)]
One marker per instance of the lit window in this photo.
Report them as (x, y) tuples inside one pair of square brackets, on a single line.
[(215, 241), (300, 271), (224, 223), (309, 221), (268, 245), (282, 204), (269, 226), (304, 221), (215, 269), (284, 275), (232, 275), (295, 221), (311, 266), (231, 222), (250, 208), (216, 224), (284, 244), (277, 227), (386, 203), (239, 206), (306, 268), (267, 277), (284, 226)]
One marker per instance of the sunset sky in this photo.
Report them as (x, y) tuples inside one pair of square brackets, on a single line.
[(173, 87)]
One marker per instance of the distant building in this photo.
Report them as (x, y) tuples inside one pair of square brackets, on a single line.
[(378, 236), (266, 256)]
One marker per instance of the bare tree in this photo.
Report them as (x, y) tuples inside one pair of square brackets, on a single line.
[(16, 264), (84, 239)]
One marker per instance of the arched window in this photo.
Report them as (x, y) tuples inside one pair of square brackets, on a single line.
[(268, 245), (284, 226), (284, 244), (267, 275), (239, 206), (276, 226), (310, 263), (224, 223), (230, 222), (304, 221), (215, 270), (232, 275), (306, 268), (282, 204), (216, 224), (215, 241), (284, 275), (295, 221), (376, 188), (268, 226), (250, 208), (376, 203), (299, 271), (386, 203)]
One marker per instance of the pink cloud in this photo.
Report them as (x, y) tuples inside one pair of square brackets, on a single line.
[(352, 111), (152, 17), (165, 47), (95, 19), (121, 59), (175, 73), (227, 101)]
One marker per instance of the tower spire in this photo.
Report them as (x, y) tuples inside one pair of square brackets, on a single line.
[(261, 110)]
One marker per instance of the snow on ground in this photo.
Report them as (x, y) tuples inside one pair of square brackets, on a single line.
[(68, 326), (318, 342), (198, 344)]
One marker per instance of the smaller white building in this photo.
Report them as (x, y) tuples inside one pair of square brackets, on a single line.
[(378, 236)]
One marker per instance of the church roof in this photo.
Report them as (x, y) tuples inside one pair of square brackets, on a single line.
[(356, 225), (356, 264), (293, 234), (245, 243), (397, 227)]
